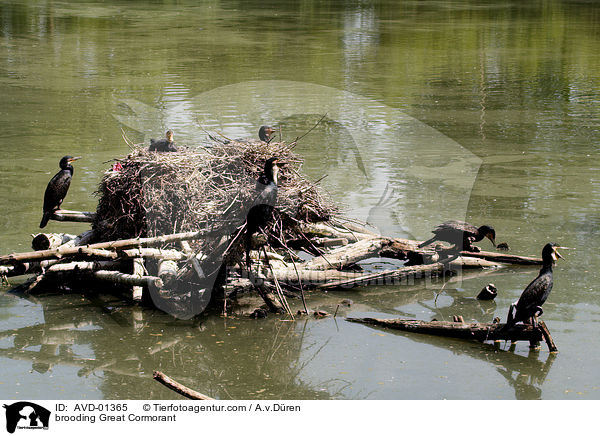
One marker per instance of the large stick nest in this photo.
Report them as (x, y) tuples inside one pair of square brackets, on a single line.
[(207, 187)]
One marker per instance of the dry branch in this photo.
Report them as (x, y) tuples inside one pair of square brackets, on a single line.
[(476, 331), (73, 215), (119, 244), (178, 387)]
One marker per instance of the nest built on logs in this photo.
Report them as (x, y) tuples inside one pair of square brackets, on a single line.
[(209, 187)]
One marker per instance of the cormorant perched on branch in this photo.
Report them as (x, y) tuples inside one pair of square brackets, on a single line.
[(535, 294), (261, 212), (461, 234), (165, 144), (265, 133), (57, 188)]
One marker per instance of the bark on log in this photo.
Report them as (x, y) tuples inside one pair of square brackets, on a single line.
[(328, 231), (167, 270), (73, 216), (363, 249), (46, 241), (84, 266), (137, 292), (476, 331), (119, 244), (128, 279), (153, 253), (178, 387), (331, 279), (96, 252)]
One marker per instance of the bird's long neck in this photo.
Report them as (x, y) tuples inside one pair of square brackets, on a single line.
[(68, 167), (546, 267), (271, 174)]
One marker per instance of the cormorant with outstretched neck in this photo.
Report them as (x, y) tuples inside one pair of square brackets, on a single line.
[(461, 234), (57, 188), (265, 133), (263, 206), (535, 294), (165, 144)]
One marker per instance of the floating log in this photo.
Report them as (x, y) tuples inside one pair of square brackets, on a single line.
[(478, 331), (84, 266), (403, 274), (73, 215), (178, 387), (153, 253), (503, 258), (128, 279), (46, 241), (364, 249), (119, 244)]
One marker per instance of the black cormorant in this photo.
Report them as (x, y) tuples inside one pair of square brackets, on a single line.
[(57, 188), (461, 234), (265, 133), (261, 212), (535, 294), (165, 144)]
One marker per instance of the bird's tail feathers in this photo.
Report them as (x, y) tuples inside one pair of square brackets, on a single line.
[(45, 219)]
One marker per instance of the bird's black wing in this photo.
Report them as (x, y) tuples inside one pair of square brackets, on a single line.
[(536, 293), (56, 191)]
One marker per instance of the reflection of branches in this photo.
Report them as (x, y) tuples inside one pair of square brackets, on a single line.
[(530, 372)]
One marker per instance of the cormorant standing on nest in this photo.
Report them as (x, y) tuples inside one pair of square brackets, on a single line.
[(461, 234), (265, 133), (57, 188), (165, 144), (535, 294), (261, 212)]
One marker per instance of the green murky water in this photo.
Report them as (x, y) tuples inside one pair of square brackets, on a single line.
[(484, 110)]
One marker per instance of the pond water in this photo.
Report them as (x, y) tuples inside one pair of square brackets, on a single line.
[(480, 110)]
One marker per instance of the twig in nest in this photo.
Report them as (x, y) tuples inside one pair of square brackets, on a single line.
[(295, 141)]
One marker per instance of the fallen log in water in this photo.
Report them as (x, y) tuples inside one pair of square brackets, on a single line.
[(128, 279), (404, 274), (477, 331), (118, 244), (73, 215), (363, 249), (46, 241), (504, 258)]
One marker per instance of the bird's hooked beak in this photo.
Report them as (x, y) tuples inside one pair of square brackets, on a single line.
[(555, 254), (490, 236), (73, 159)]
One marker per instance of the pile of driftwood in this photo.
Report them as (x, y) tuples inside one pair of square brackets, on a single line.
[(166, 232)]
